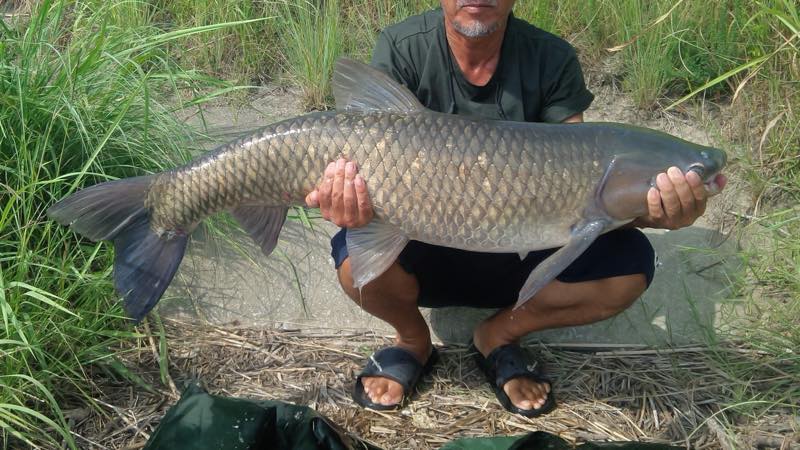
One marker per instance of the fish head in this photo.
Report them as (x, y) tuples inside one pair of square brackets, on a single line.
[(644, 154)]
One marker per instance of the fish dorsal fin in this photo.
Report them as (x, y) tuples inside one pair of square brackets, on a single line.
[(358, 87)]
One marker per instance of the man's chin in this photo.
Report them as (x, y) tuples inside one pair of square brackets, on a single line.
[(474, 28)]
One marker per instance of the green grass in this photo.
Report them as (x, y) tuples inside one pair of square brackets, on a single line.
[(79, 103), (313, 38), (245, 53)]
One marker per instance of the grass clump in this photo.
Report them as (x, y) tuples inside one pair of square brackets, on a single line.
[(244, 54), (78, 105), (313, 38)]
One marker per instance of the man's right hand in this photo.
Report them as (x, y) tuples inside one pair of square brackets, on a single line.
[(342, 196)]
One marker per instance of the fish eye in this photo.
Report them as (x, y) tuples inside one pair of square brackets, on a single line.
[(704, 154)]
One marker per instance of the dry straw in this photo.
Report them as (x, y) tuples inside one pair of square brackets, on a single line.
[(613, 395)]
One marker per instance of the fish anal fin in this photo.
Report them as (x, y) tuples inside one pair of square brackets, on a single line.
[(372, 250), (358, 87), (582, 237), (263, 223)]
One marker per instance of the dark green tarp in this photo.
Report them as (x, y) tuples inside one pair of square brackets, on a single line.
[(202, 421)]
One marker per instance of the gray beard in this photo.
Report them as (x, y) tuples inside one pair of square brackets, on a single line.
[(475, 29)]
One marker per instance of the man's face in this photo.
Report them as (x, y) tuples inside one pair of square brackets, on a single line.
[(476, 18)]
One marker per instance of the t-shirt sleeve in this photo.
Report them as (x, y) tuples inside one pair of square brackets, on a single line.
[(388, 58), (567, 95)]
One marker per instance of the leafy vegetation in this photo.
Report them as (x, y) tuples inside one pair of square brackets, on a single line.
[(79, 103)]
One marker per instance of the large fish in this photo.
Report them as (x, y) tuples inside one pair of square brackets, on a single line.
[(491, 186)]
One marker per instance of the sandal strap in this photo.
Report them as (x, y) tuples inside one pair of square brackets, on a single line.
[(396, 364), (512, 361)]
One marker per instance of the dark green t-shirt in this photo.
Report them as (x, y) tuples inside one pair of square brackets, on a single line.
[(538, 77)]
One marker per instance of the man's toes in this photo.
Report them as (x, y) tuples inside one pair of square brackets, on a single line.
[(516, 394), (376, 390), (527, 394), (537, 394), (393, 394), (381, 390), (369, 384)]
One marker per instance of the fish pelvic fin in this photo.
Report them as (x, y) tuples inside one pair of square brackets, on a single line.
[(145, 262), (373, 249), (582, 237), (360, 88)]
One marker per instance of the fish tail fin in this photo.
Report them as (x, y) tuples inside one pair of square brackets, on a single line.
[(145, 262)]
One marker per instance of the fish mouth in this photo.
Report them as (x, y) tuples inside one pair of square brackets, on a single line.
[(711, 186), (709, 180)]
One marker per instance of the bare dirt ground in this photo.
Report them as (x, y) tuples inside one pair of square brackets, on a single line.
[(616, 394)]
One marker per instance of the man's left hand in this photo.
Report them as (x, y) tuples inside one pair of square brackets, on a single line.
[(679, 200)]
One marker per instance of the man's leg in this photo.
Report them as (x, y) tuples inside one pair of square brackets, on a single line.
[(557, 305), (392, 297)]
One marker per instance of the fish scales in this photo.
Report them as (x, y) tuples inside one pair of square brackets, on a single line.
[(445, 179)]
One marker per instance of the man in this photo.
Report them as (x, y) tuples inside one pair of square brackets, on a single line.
[(473, 57)]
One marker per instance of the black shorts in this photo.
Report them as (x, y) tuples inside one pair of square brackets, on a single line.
[(452, 277)]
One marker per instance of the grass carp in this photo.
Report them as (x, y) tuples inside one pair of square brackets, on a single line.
[(491, 186)]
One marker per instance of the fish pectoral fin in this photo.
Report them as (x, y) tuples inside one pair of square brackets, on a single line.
[(582, 237), (622, 193), (372, 250), (358, 87), (263, 223)]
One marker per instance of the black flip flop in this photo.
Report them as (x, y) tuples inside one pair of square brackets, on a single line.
[(395, 364), (506, 363)]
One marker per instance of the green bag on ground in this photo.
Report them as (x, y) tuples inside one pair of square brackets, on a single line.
[(203, 421), (539, 440)]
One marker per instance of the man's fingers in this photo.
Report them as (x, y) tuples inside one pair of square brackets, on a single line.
[(654, 208), (324, 191), (349, 196), (337, 192), (696, 185), (698, 192), (669, 198), (683, 190), (365, 212), (312, 199), (342, 197)]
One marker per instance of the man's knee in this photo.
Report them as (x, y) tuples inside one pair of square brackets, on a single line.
[(619, 293), (346, 279), (393, 285)]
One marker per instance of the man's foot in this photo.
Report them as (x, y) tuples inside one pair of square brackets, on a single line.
[(524, 392), (387, 392)]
